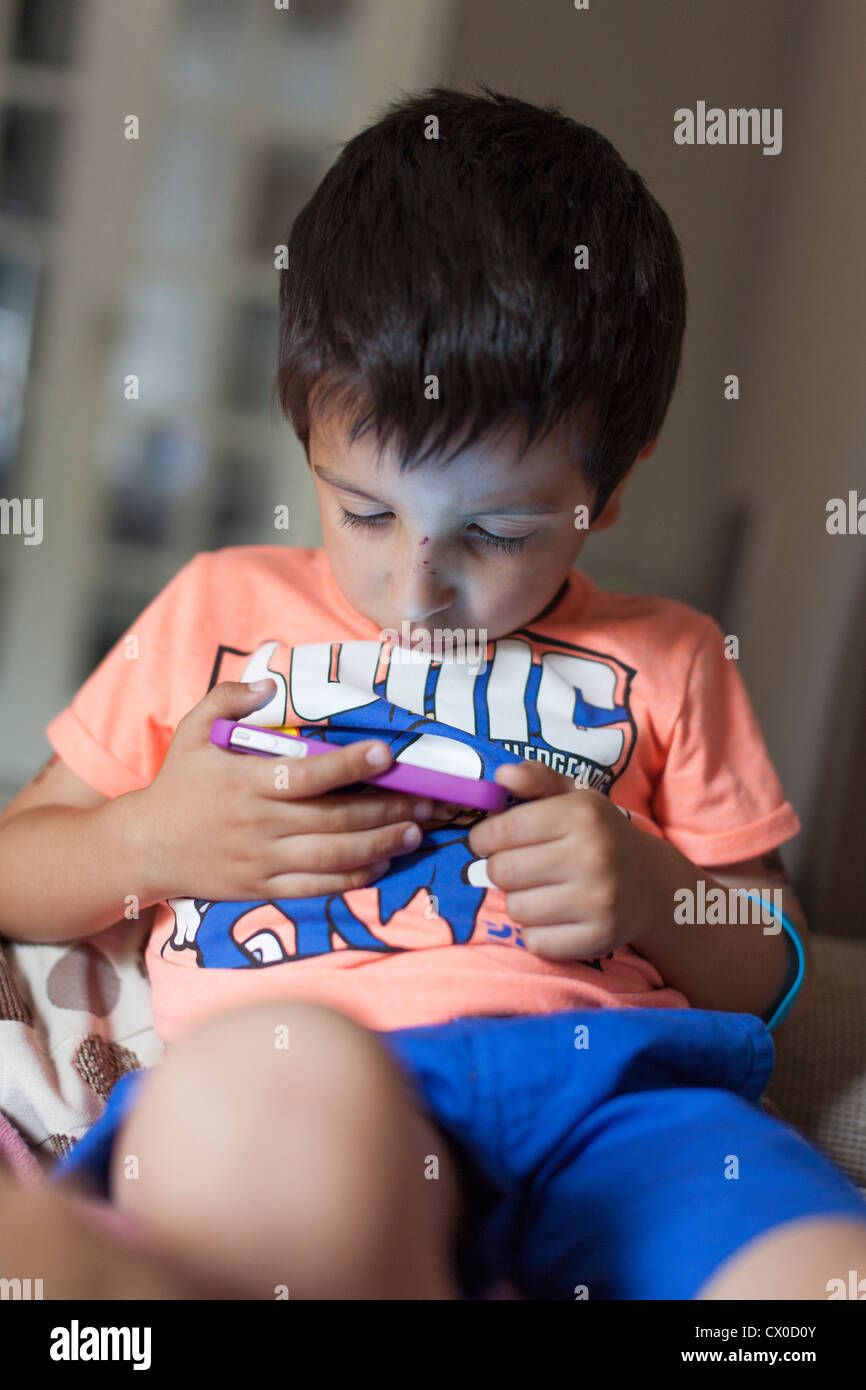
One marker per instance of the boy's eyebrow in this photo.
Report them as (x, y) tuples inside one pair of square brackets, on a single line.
[(517, 509)]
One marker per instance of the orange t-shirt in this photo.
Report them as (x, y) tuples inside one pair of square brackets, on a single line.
[(632, 694)]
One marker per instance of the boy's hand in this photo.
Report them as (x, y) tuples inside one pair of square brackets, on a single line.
[(570, 864), (220, 825)]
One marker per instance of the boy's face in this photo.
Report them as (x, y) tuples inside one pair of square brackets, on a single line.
[(421, 553)]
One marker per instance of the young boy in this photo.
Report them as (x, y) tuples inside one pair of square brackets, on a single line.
[(410, 1049)]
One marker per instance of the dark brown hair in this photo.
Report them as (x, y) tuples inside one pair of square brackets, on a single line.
[(454, 257)]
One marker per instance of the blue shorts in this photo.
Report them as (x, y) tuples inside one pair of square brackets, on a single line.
[(620, 1151)]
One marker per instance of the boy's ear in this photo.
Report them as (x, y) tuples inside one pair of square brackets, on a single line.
[(611, 510)]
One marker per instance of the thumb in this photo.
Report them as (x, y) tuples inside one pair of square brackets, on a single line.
[(228, 700), (530, 781)]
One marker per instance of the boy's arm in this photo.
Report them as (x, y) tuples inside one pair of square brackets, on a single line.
[(740, 968), (69, 859)]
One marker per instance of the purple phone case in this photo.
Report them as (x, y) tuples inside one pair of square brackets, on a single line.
[(479, 794)]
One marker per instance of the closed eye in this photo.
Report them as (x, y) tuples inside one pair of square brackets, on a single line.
[(378, 519)]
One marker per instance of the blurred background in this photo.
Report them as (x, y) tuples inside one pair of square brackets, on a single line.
[(155, 256)]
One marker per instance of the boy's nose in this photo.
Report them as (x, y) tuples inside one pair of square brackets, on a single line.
[(418, 595), (418, 601)]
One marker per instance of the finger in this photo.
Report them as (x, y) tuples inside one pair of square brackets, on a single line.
[(532, 780), (291, 778), (558, 905), (531, 866), (449, 810), (565, 943), (530, 823), (334, 854), (228, 700), (337, 813), (309, 885)]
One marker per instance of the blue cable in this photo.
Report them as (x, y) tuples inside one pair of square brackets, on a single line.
[(787, 1003)]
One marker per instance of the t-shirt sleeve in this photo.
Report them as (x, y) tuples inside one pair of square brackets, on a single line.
[(116, 731), (718, 798)]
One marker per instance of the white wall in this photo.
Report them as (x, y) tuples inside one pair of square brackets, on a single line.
[(774, 255)]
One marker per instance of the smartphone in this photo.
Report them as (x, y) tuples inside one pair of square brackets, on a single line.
[(479, 794)]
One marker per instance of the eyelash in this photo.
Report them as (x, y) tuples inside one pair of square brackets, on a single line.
[(511, 544)]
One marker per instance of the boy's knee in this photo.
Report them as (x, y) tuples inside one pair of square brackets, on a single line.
[(248, 1091), (276, 1129), (804, 1258)]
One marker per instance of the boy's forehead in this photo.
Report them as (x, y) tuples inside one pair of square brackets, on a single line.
[(491, 465)]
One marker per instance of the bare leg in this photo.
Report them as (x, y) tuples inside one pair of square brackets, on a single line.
[(43, 1235), (793, 1261), (302, 1170)]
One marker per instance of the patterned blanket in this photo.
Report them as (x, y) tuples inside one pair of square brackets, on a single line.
[(73, 1018)]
